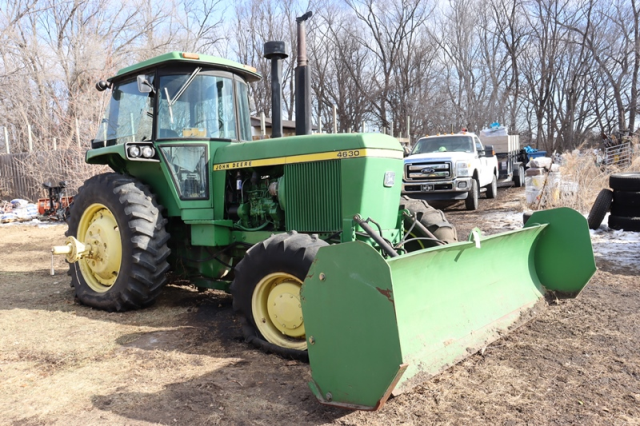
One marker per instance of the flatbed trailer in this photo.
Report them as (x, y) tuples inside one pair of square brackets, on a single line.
[(511, 164)]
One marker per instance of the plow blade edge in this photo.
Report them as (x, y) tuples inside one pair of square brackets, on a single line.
[(377, 327)]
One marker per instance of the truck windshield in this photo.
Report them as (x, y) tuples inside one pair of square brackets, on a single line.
[(196, 106), (444, 144)]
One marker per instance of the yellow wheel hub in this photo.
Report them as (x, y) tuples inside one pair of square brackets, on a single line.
[(277, 310), (99, 230)]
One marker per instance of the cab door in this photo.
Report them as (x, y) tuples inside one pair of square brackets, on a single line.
[(485, 171)]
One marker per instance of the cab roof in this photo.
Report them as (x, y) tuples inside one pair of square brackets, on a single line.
[(444, 135), (249, 73)]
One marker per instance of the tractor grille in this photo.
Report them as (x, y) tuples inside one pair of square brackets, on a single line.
[(312, 196)]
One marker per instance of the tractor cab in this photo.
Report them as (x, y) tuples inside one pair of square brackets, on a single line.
[(176, 109), (176, 97)]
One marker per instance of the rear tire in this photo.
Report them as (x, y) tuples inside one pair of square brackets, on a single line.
[(492, 189), (518, 180), (471, 203), (624, 223), (432, 219), (273, 271), (118, 215), (600, 208)]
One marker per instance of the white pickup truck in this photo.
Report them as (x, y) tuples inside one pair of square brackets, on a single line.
[(451, 167)]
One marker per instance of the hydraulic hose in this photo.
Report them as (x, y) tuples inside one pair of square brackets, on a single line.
[(375, 237)]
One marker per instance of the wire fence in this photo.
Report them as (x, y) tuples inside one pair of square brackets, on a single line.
[(22, 174)]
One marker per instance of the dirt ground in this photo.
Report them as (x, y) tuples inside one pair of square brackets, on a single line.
[(183, 361)]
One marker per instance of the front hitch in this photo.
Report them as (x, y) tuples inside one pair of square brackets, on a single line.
[(73, 250)]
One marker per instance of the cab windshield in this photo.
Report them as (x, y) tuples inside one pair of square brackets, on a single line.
[(443, 144), (196, 106), (191, 105)]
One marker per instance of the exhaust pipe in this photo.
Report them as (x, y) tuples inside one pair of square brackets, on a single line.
[(303, 82), (276, 52)]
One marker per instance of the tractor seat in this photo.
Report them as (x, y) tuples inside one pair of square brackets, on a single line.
[(167, 133)]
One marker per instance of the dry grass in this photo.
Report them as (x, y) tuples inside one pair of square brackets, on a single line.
[(580, 167)]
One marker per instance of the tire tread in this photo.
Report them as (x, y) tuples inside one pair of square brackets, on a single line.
[(600, 207)]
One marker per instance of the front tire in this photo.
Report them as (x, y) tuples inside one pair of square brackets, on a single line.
[(471, 202), (126, 269), (266, 292), (432, 219)]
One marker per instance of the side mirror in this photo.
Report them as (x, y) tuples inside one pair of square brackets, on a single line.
[(488, 151), (143, 85), (102, 85)]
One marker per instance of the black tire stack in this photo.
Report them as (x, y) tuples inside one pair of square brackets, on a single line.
[(623, 200), (625, 209)]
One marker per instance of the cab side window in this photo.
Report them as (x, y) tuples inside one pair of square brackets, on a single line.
[(479, 146)]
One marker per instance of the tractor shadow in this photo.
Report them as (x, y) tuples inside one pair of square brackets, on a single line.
[(225, 396)]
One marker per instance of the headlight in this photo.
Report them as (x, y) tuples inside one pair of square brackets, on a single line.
[(462, 168), (134, 151), (148, 152)]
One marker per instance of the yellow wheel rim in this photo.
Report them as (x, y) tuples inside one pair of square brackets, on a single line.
[(277, 310), (99, 229)]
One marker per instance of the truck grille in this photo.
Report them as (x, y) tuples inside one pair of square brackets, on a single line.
[(313, 196), (428, 171)]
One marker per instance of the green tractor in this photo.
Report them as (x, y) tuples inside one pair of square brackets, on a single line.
[(308, 233)]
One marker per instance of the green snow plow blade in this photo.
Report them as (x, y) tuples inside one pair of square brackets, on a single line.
[(377, 327)]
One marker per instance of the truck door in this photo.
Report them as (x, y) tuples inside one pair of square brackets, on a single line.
[(484, 174)]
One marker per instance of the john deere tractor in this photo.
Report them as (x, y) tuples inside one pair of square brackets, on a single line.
[(308, 233)]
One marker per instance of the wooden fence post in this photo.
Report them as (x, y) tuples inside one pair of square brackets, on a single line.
[(30, 138), (6, 139), (78, 132)]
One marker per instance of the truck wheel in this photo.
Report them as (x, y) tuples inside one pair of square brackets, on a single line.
[(266, 292), (119, 217), (519, 179), (600, 208), (432, 219), (471, 203), (492, 189)]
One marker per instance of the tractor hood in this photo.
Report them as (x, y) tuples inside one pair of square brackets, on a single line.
[(306, 148)]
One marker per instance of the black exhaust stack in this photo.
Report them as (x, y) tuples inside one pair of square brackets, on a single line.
[(276, 52), (303, 82)]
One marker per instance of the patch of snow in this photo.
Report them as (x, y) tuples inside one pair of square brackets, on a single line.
[(621, 248), (503, 221)]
